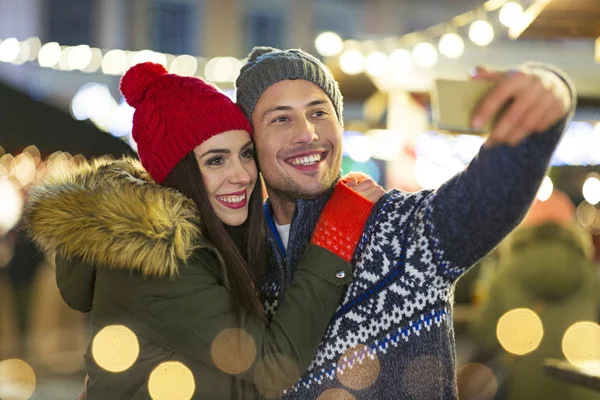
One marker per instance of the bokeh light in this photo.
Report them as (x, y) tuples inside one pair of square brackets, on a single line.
[(35, 44), (233, 351), (400, 60), (511, 14), (520, 331), (49, 55), (377, 63), (336, 394), (352, 62), (591, 189), (329, 44), (9, 50), (11, 205), (358, 368), (171, 380), (275, 370), (17, 380), (581, 343), (546, 189), (451, 45), (115, 348), (80, 57), (476, 381), (114, 62), (359, 148), (184, 65), (425, 55), (481, 33)]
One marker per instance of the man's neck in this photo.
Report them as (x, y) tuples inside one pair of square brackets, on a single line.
[(283, 210)]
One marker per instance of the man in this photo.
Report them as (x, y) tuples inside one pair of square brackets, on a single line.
[(392, 336)]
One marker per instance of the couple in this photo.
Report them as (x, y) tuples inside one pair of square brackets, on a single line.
[(180, 263)]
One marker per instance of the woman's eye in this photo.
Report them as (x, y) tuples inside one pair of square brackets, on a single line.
[(215, 161), (248, 153)]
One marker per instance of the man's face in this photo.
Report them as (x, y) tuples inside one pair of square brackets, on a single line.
[(298, 139)]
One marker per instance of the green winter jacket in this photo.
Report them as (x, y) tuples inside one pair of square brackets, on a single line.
[(128, 251), (546, 270)]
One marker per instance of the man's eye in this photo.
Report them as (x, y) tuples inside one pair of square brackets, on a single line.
[(280, 119)]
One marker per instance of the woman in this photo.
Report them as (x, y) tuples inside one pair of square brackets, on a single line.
[(170, 259)]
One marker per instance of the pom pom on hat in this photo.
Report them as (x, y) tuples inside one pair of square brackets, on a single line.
[(138, 79), (174, 114)]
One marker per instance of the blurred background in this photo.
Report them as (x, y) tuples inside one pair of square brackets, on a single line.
[(60, 65)]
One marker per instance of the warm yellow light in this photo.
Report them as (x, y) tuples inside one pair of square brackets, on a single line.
[(329, 44), (451, 45), (115, 348), (17, 380), (24, 168), (336, 394), (171, 381), (511, 14), (481, 33), (581, 343), (233, 351), (377, 63), (520, 331), (360, 368), (352, 62), (400, 60), (425, 55)]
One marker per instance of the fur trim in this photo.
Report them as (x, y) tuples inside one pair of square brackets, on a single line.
[(111, 213)]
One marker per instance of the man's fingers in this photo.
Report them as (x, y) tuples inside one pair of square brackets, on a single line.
[(518, 113), (504, 91)]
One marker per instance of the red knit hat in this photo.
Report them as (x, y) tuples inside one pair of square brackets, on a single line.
[(174, 114)]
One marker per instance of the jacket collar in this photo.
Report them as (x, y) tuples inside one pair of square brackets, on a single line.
[(111, 213)]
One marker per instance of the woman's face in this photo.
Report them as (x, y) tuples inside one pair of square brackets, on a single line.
[(227, 165)]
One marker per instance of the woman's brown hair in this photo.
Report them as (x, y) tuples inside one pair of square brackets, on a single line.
[(244, 266)]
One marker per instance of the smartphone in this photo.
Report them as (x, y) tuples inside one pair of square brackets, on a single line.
[(454, 103)]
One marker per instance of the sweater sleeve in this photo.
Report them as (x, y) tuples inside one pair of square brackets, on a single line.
[(194, 314), (471, 213)]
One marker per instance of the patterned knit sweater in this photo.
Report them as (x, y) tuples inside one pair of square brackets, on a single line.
[(392, 336)]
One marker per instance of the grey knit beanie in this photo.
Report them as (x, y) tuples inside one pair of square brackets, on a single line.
[(267, 66)]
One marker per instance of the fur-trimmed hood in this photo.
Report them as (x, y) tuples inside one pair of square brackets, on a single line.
[(111, 213)]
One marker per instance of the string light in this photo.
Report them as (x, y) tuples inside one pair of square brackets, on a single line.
[(481, 33), (377, 63), (352, 62), (425, 55), (400, 60), (511, 14), (329, 44), (451, 45)]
